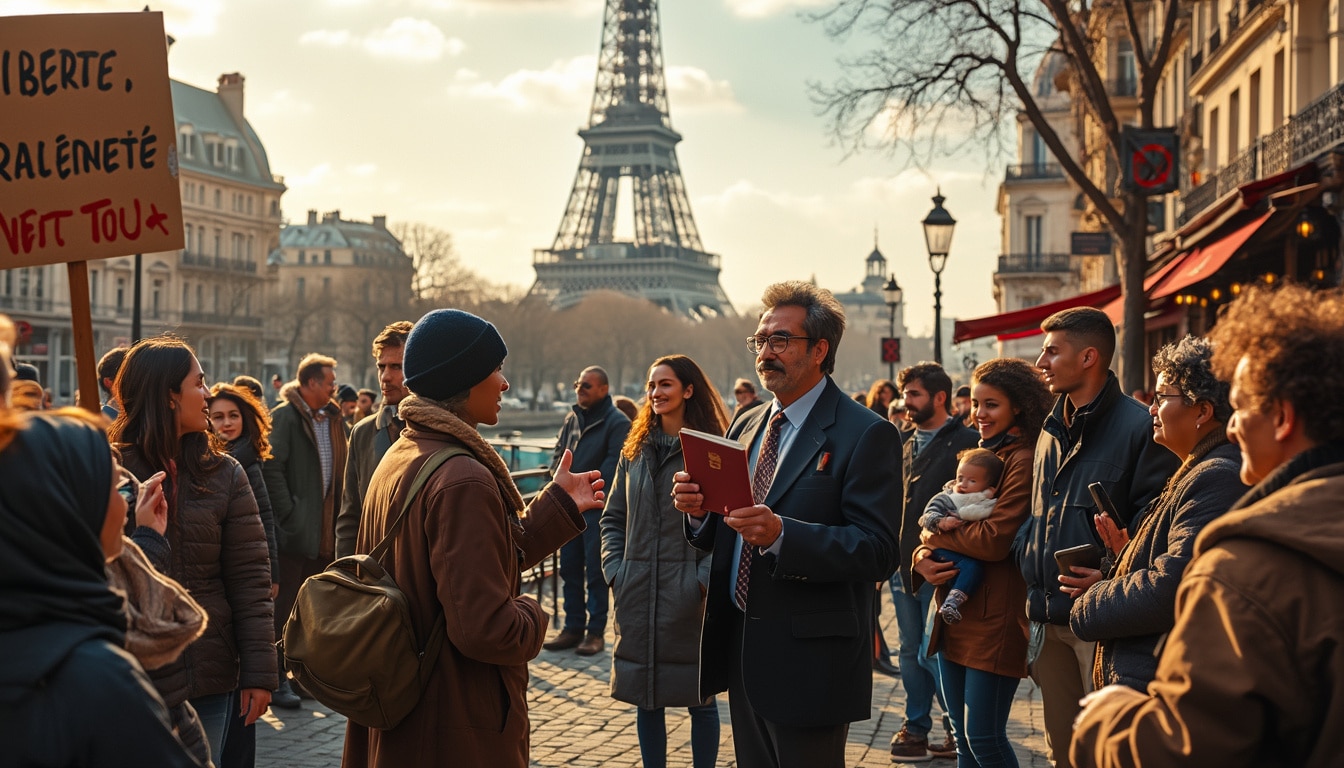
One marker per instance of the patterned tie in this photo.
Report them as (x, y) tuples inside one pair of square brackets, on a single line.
[(760, 486)]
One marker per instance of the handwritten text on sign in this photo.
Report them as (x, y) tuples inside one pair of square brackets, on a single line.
[(88, 155)]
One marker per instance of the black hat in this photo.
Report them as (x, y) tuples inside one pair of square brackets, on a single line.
[(346, 394), (26, 371), (450, 351)]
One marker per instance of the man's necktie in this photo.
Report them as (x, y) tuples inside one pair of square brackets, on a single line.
[(760, 486)]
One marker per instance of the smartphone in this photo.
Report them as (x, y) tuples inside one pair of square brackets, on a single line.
[(1104, 503), (1083, 556)]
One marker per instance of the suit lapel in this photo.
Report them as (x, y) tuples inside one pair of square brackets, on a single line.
[(806, 445)]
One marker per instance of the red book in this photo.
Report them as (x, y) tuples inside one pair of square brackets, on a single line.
[(719, 466)]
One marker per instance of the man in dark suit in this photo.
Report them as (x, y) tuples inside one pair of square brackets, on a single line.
[(788, 623)]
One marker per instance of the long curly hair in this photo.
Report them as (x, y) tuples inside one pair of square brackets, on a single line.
[(704, 408), (256, 421), (1292, 339), (1021, 382), (874, 400)]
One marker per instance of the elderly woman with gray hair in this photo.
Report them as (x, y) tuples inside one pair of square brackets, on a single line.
[(1129, 610)]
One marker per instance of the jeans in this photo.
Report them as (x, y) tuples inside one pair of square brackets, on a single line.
[(577, 555), (970, 572), (215, 712), (651, 725), (919, 672), (979, 703)]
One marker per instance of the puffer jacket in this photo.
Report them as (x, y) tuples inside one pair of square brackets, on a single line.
[(1113, 445), (1129, 612), (242, 450), (658, 581), (218, 552)]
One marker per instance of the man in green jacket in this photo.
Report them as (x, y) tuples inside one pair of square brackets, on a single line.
[(373, 435), (303, 479)]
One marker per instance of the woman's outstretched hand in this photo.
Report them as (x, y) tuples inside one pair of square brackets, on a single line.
[(585, 488)]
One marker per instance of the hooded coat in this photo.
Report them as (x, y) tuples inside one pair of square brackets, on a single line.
[(1252, 674), (69, 693), (658, 580)]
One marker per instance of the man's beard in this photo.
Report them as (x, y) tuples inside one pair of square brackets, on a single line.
[(922, 415)]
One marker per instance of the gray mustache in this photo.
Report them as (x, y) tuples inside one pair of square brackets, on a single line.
[(763, 367)]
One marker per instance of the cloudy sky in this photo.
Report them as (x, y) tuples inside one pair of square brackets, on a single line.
[(463, 114)]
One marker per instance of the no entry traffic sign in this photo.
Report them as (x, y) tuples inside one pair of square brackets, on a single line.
[(1150, 160)]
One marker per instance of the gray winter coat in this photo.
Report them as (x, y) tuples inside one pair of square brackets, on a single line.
[(658, 582)]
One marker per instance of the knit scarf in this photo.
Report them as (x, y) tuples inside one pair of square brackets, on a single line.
[(162, 617), (430, 414)]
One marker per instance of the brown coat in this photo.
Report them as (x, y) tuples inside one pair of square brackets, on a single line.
[(1252, 674), (461, 552), (992, 634)]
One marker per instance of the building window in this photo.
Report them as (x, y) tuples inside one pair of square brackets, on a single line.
[(217, 304), (156, 298), (186, 294), (299, 286), (219, 200), (40, 273), (219, 241), (121, 293), (93, 288), (326, 287), (188, 230), (1040, 155), (326, 257), (200, 298), (1034, 232), (1126, 79)]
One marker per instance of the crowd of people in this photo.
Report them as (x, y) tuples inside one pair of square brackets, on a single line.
[(1166, 573)]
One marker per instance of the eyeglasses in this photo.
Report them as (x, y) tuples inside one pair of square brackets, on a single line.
[(777, 342), (1159, 396), (583, 385)]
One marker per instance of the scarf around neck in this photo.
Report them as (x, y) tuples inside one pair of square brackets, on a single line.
[(427, 413)]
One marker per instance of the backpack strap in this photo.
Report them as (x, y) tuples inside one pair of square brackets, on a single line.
[(435, 461)]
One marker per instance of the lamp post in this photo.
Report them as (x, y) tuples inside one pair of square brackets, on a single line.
[(891, 292), (938, 226)]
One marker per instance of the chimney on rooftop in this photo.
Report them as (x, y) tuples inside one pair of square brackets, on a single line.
[(312, 217), (231, 93), (334, 217), (380, 222)]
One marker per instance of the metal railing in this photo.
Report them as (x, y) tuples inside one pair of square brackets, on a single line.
[(1034, 262), (1313, 130), (218, 262), (1028, 171)]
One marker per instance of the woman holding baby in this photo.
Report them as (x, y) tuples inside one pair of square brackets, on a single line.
[(983, 655)]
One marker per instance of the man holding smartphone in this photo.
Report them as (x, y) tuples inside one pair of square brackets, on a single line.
[(1093, 434)]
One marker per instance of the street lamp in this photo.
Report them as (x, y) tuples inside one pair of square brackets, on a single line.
[(891, 292), (938, 227)]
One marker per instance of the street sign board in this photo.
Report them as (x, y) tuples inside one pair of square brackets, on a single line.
[(891, 349), (1149, 160), (1090, 243), (88, 144)]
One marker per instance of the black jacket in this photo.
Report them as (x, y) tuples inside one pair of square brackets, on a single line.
[(1135, 606), (595, 436), (925, 476), (1113, 445)]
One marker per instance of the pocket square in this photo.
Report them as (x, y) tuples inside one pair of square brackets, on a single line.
[(824, 461)]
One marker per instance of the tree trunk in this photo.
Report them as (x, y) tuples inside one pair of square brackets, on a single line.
[(1133, 356)]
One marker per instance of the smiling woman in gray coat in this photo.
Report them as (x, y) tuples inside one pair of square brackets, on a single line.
[(658, 579)]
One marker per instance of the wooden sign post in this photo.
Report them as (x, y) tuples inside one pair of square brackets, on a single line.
[(88, 151)]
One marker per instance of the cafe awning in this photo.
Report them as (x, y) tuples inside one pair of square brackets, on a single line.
[(1204, 261), (1027, 322)]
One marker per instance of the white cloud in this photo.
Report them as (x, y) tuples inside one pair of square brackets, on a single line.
[(318, 175), (568, 85), (405, 38), (693, 89), (281, 103), (759, 9), (565, 85), (745, 194)]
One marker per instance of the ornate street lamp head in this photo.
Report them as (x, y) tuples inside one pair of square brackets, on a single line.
[(938, 226), (891, 292)]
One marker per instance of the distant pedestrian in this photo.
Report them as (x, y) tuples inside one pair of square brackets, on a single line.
[(881, 395), (658, 579), (251, 385), (593, 432), (368, 400), (108, 365), (348, 400), (744, 392), (627, 406)]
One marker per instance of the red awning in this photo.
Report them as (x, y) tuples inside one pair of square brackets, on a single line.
[(1019, 324), (1116, 308), (1205, 261)]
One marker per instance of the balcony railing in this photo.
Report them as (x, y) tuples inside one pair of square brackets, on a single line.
[(218, 262), (1034, 262), (1033, 171), (1315, 129), (27, 304)]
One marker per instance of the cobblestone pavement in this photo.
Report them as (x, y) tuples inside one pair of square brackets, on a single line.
[(575, 722)]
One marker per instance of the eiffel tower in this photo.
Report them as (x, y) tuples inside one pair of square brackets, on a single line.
[(629, 135)]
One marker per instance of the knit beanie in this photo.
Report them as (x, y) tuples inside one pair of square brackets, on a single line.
[(450, 351), (346, 394)]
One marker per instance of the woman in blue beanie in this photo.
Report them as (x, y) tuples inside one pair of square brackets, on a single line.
[(460, 554)]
